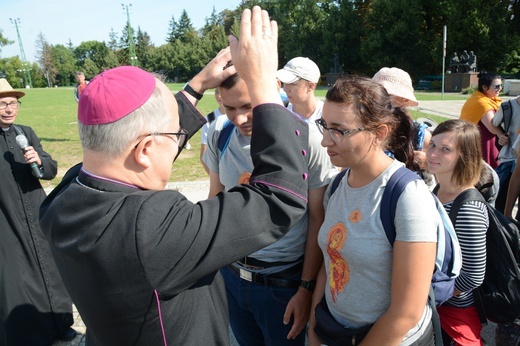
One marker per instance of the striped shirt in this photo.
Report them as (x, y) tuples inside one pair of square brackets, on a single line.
[(471, 225)]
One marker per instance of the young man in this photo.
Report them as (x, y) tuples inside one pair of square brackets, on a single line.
[(269, 291), (141, 263), (300, 76), (35, 308)]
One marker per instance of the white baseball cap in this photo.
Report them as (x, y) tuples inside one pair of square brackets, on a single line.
[(299, 68)]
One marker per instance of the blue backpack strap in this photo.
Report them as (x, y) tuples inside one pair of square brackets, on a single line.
[(395, 186), (336, 181), (225, 136)]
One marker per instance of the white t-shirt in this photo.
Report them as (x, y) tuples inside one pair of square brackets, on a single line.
[(314, 116), (357, 253), (205, 128)]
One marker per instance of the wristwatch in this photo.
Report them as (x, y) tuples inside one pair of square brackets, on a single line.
[(308, 285), (191, 91)]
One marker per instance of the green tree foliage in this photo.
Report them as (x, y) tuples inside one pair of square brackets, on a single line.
[(359, 36), (91, 57), (113, 45), (64, 61), (4, 41), (12, 69)]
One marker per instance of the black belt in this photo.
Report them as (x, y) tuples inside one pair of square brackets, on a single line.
[(275, 279), (253, 262)]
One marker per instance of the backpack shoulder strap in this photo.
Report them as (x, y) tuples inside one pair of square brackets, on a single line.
[(465, 196), (336, 181), (211, 117), (224, 136), (507, 112), (395, 186)]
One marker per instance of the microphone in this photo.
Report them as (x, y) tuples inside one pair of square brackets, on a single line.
[(23, 143)]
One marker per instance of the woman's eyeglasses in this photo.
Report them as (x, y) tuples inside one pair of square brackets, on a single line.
[(336, 135), (498, 86)]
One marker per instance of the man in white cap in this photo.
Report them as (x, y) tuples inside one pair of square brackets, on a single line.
[(35, 308), (140, 262), (300, 76)]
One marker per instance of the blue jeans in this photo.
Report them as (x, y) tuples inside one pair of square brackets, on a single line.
[(504, 172), (256, 311)]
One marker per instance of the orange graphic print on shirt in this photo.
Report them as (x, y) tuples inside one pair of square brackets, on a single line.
[(244, 178), (339, 271)]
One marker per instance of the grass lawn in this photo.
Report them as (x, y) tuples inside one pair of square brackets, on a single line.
[(52, 113)]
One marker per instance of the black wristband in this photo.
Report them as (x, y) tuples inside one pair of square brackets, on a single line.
[(308, 285), (192, 92)]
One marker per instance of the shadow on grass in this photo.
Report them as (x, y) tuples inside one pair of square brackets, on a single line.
[(55, 139)]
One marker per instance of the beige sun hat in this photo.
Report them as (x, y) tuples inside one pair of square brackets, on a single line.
[(397, 83), (7, 90)]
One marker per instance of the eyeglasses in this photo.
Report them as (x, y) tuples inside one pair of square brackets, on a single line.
[(13, 104), (336, 135), (498, 86), (182, 138)]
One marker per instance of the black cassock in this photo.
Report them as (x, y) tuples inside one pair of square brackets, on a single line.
[(34, 304)]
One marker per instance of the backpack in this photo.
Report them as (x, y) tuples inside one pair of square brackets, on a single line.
[(498, 298), (224, 136), (507, 112)]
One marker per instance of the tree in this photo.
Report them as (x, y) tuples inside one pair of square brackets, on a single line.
[(172, 31), (4, 41), (142, 48), (95, 53), (64, 62), (45, 59), (12, 68), (112, 40)]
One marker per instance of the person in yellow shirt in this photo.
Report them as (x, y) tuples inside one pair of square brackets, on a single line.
[(480, 108)]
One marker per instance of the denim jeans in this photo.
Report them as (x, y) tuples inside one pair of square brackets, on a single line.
[(256, 311), (504, 172)]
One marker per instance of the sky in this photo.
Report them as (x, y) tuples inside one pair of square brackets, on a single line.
[(79, 21)]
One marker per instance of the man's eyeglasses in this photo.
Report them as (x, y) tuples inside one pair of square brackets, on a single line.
[(14, 105), (498, 86), (182, 138), (336, 135)]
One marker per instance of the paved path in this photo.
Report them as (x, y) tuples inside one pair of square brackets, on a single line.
[(198, 190)]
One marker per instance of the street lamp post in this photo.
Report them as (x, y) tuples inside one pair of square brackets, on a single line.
[(131, 46), (25, 64)]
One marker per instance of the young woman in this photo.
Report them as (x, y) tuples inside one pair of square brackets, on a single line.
[(480, 108), (454, 156), (367, 284)]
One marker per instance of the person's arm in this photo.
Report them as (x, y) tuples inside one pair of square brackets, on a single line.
[(487, 120), (472, 245), (513, 191), (298, 307), (317, 296), (211, 76), (203, 148), (411, 278), (48, 166), (215, 186)]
